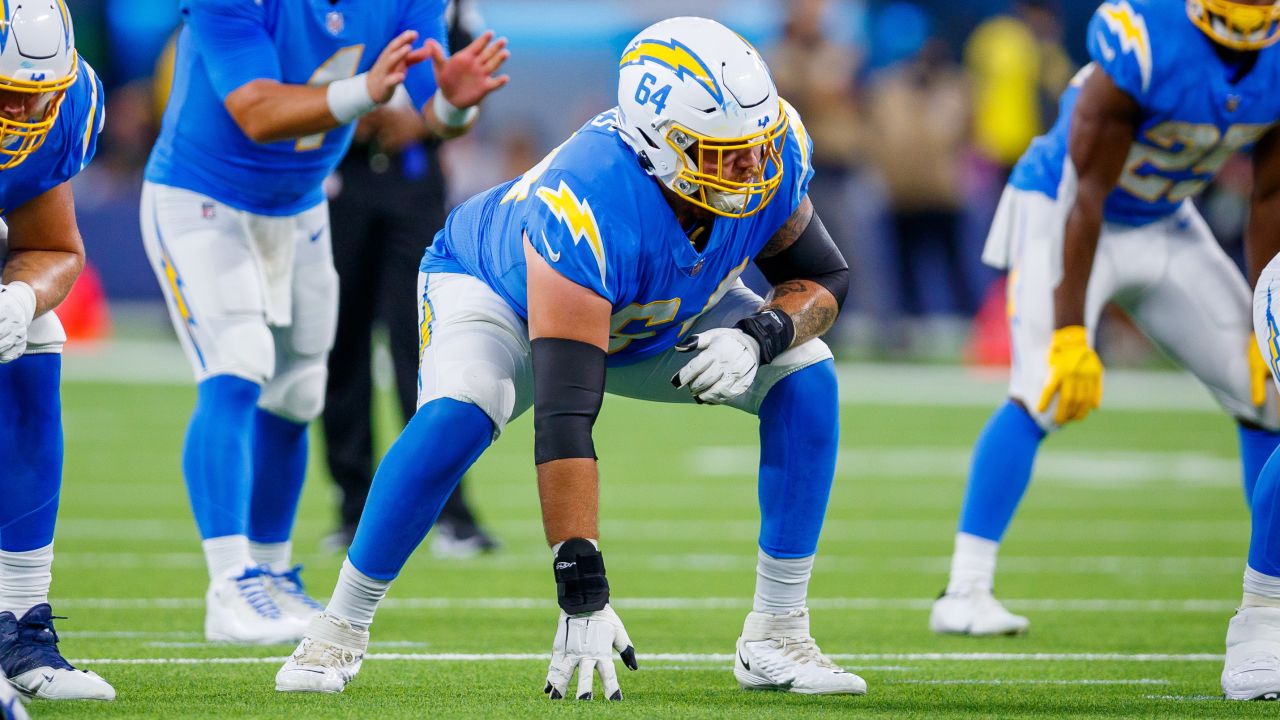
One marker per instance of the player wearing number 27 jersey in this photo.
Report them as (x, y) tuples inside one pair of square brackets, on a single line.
[(1099, 210), (236, 227)]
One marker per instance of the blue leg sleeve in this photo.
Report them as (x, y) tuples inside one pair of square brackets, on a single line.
[(1256, 446), (217, 455), (416, 477), (1001, 471), (799, 441), (31, 477), (1264, 542), (279, 467)]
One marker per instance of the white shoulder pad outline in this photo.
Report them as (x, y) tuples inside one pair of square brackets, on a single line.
[(1131, 29)]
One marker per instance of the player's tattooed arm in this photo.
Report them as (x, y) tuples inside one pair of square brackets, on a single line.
[(45, 248), (808, 274), (1262, 233), (1103, 126)]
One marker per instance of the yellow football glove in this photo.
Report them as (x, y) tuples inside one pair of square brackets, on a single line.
[(1075, 375), (1259, 374)]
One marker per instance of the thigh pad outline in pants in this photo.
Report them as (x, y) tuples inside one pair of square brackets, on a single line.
[(297, 388), (474, 348), (651, 379), (1033, 220), (201, 254)]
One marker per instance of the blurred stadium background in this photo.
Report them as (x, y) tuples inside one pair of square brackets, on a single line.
[(917, 110), (1127, 555)]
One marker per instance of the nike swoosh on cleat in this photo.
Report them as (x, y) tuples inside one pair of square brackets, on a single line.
[(743, 660), (47, 677)]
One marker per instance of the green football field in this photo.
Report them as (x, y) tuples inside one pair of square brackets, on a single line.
[(1127, 557)]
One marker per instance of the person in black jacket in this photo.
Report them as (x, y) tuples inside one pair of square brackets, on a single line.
[(387, 200)]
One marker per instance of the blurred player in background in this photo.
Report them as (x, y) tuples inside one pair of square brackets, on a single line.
[(237, 230), (622, 249), (1099, 210), (50, 117), (387, 202)]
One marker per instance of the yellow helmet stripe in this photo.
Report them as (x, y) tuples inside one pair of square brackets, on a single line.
[(679, 59)]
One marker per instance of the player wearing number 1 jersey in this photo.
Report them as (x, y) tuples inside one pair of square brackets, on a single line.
[(236, 228), (1099, 210)]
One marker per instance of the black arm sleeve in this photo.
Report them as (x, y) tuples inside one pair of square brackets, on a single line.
[(568, 387), (814, 257)]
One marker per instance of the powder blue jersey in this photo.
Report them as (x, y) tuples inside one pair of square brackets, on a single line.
[(1193, 117), (66, 150), (227, 43), (599, 219)]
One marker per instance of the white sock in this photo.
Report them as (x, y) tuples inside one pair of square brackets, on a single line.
[(227, 554), (276, 556), (974, 563), (1260, 590), (356, 597), (24, 579), (781, 583)]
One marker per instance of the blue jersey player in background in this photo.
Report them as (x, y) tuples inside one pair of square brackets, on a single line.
[(618, 255), (236, 226), (1099, 210), (51, 112)]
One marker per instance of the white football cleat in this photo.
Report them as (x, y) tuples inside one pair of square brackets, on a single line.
[(776, 652), (1252, 668), (240, 608), (34, 665), (11, 707), (974, 612), (327, 658), (291, 596)]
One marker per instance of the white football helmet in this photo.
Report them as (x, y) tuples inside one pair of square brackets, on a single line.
[(37, 64), (690, 92)]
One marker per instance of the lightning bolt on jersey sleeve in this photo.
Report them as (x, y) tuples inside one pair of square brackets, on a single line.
[(427, 17), (233, 41), (1120, 43), (572, 237)]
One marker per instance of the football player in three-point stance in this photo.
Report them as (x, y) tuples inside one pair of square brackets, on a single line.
[(1098, 210), (236, 227), (613, 265), (51, 112)]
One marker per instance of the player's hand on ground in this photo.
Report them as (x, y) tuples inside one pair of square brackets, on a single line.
[(723, 368), (1075, 376), (467, 76), (17, 308), (393, 63), (585, 642), (1259, 373)]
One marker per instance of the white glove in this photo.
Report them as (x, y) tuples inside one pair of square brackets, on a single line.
[(586, 642), (724, 368), (17, 307)]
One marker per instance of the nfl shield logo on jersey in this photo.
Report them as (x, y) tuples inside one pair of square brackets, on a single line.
[(207, 210), (334, 22)]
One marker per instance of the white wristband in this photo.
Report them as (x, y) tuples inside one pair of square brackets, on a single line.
[(450, 116), (349, 98)]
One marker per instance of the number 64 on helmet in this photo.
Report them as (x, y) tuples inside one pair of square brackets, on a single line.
[(692, 92)]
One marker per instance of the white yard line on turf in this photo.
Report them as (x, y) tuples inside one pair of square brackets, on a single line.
[(1135, 681), (1094, 605), (1102, 469), (160, 362), (694, 658)]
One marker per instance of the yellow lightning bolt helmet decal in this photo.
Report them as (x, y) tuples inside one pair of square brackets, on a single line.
[(578, 217), (676, 57), (1131, 29)]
